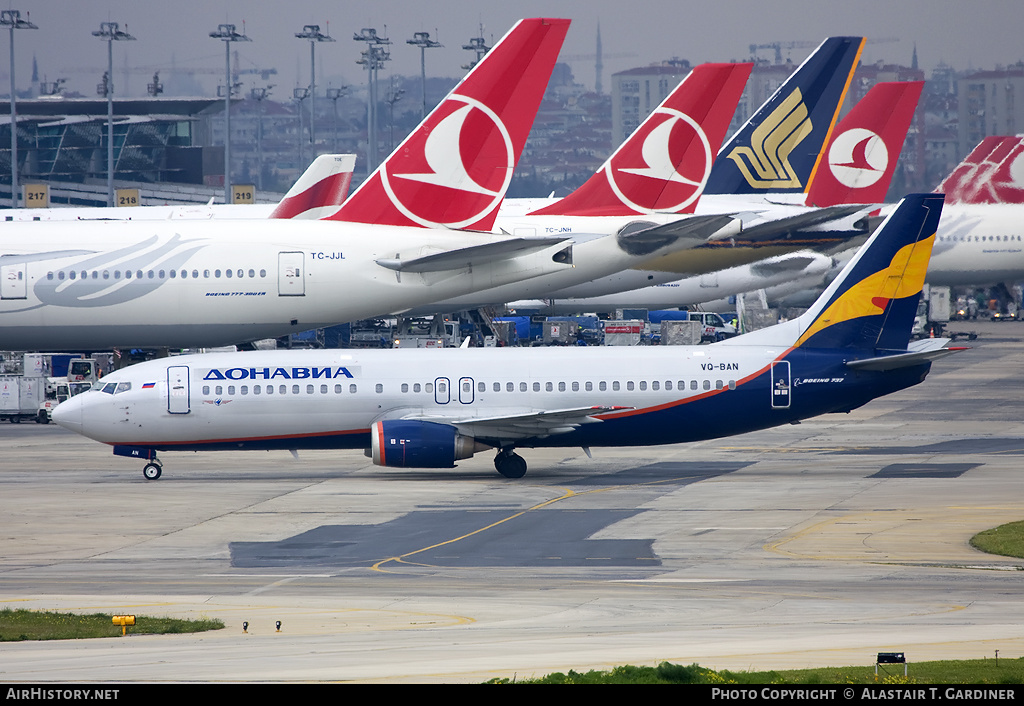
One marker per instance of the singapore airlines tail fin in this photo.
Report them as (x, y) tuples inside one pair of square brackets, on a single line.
[(454, 169), (861, 158), (663, 166), (779, 147), (992, 173), (321, 189), (871, 305)]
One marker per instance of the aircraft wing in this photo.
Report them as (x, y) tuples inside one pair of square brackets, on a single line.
[(474, 255), (923, 351), (507, 428), (792, 263), (645, 240), (780, 227)]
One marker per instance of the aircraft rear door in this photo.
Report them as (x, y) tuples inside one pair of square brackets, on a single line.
[(177, 390), (14, 281), (291, 274), (781, 384)]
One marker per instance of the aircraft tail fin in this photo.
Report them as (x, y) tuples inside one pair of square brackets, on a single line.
[(861, 158), (778, 149), (321, 189), (992, 173), (663, 166), (454, 169), (871, 305)]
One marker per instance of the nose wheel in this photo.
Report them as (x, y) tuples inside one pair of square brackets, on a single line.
[(152, 470), (510, 464)]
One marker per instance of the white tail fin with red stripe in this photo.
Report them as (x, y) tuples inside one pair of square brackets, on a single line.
[(321, 189)]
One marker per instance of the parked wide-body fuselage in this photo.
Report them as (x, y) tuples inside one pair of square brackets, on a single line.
[(330, 399), (207, 283)]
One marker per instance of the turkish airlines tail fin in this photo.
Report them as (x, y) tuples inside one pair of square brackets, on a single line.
[(992, 173), (321, 189), (866, 144), (454, 169), (663, 166), (777, 150), (871, 305)]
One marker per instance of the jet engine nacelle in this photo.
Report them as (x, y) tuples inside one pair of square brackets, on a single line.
[(415, 444)]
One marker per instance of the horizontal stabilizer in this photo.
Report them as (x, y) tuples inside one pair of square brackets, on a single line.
[(474, 255), (933, 349), (780, 227), (698, 228)]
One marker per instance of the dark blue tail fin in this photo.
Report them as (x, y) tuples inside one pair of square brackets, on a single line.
[(872, 304), (779, 147)]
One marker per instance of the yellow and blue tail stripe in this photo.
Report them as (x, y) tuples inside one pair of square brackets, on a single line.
[(872, 306)]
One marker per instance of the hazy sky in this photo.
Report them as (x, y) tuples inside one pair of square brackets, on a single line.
[(962, 33)]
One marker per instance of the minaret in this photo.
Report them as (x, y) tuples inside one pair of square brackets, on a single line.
[(599, 66)]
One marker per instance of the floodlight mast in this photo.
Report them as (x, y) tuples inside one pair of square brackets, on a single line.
[(227, 34), (110, 33), (373, 59), (314, 35), (12, 20), (424, 42)]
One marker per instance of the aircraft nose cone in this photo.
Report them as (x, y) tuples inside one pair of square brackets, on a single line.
[(68, 414)]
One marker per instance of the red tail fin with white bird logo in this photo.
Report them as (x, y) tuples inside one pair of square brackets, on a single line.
[(861, 157), (454, 169), (665, 163)]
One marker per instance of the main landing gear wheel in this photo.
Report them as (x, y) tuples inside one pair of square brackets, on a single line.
[(152, 471), (510, 464)]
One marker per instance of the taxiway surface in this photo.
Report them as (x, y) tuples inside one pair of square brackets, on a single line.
[(815, 544)]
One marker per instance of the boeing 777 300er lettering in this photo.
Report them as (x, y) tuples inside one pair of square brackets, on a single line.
[(431, 408), (94, 285), (317, 193)]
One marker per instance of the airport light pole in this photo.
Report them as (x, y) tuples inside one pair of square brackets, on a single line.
[(110, 33), (12, 20), (424, 42), (259, 95), (478, 46), (314, 35), (373, 59), (333, 94), (300, 94), (227, 34)]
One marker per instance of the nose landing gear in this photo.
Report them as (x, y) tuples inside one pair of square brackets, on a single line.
[(152, 470)]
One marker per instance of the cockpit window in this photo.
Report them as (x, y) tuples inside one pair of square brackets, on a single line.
[(113, 388), (109, 388), (123, 387)]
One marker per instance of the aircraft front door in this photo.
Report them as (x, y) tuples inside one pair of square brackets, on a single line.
[(442, 393), (177, 390), (291, 274), (781, 385), (14, 281)]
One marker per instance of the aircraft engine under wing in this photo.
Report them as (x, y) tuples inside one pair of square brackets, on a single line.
[(477, 255)]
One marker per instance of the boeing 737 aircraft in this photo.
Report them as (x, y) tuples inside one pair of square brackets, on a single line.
[(431, 408), (317, 193), (205, 283)]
